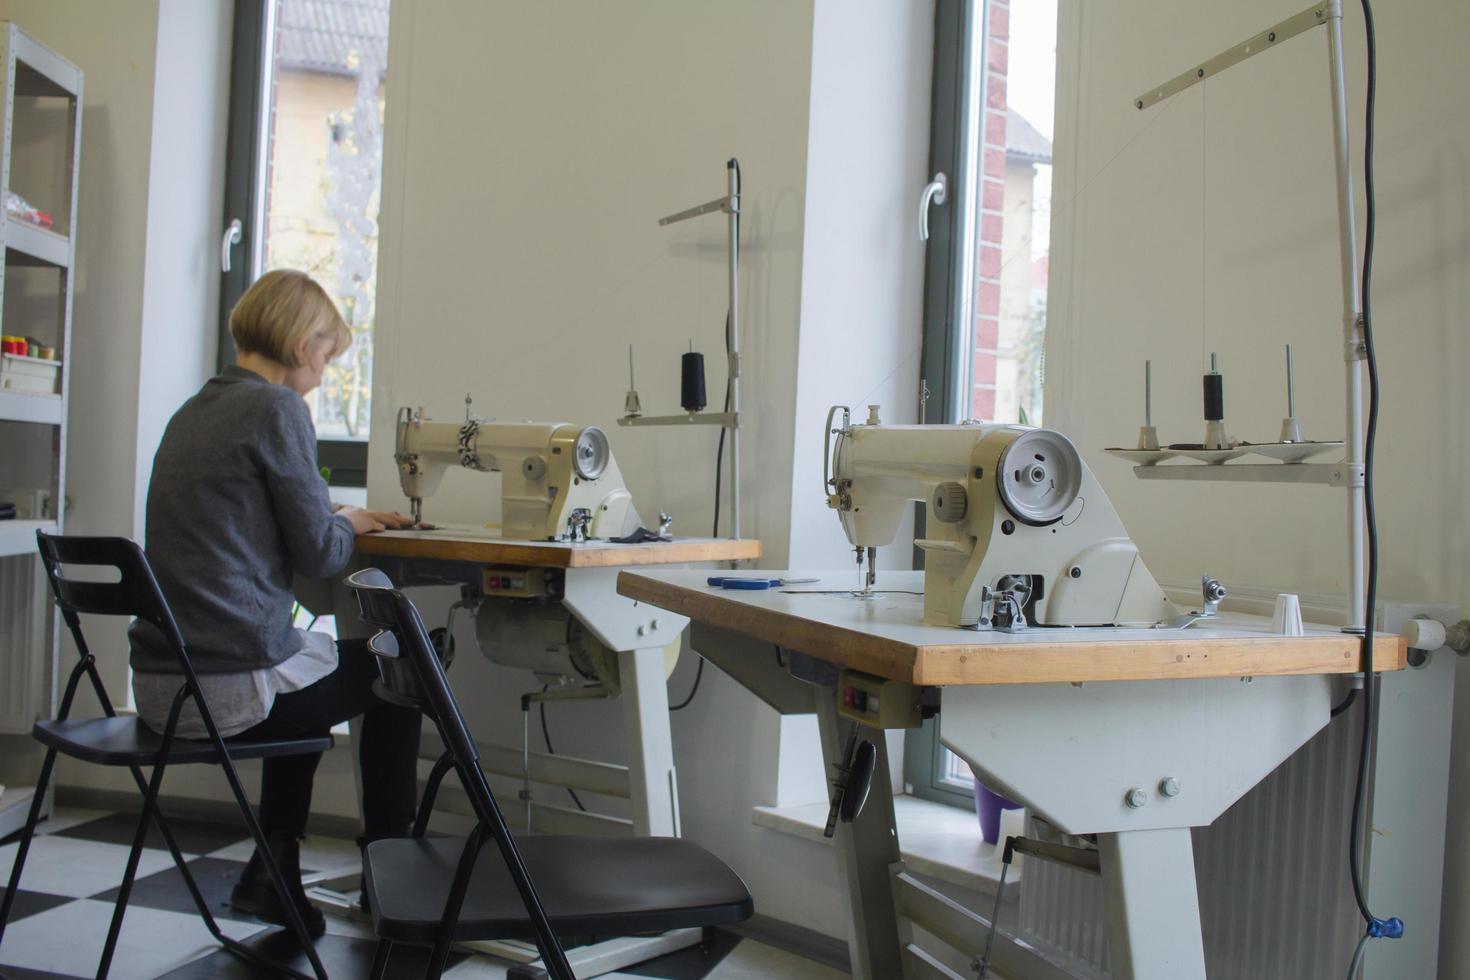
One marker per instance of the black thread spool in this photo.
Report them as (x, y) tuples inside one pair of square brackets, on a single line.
[(691, 387), (1214, 397)]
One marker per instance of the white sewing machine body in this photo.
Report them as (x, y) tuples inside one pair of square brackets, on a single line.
[(558, 482), (1019, 531), (549, 472)]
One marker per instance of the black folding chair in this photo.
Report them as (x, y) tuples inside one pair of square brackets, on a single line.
[(435, 891), (127, 741)]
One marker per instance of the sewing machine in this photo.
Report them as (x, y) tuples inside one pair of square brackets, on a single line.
[(1111, 727), (1019, 530), (558, 481)]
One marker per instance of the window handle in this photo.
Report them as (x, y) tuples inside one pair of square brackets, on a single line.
[(934, 193), (232, 238)]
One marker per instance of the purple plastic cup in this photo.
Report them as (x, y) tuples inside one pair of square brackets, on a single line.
[(988, 807)]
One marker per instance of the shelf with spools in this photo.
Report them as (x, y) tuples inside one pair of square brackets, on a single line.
[(39, 154), (39, 82), (1212, 459)]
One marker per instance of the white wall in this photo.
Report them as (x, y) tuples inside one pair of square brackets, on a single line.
[(529, 152), (1141, 270), (862, 262), (181, 276)]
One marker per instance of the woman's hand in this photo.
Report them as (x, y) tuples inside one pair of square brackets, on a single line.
[(368, 521), (363, 521), (391, 519)]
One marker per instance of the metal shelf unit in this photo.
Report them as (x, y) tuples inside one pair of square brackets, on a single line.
[(39, 146)]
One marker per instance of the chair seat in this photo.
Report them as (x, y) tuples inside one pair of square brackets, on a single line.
[(588, 886), (127, 741)]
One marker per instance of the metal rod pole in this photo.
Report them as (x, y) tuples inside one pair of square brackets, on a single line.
[(1148, 393), (1352, 330), (733, 173), (1290, 387)]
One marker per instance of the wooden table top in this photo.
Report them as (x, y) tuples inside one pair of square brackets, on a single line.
[(481, 545), (885, 636)]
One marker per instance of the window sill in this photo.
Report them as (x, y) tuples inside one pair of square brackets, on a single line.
[(937, 841)]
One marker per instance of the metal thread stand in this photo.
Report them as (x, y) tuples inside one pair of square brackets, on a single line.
[(729, 204), (1349, 473)]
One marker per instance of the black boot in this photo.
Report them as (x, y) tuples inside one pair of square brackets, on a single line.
[(255, 894)]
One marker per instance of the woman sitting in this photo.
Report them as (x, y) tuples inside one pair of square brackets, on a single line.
[(236, 508)]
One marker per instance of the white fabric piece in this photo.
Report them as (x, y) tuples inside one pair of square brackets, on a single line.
[(238, 701)]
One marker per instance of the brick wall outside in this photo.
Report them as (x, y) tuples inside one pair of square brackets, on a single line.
[(986, 328)]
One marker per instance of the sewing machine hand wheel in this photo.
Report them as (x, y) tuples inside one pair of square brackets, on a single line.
[(854, 779)]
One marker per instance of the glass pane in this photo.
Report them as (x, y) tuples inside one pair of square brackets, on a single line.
[(1015, 217), (324, 178), (954, 769)]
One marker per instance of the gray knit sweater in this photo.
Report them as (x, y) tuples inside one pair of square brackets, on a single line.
[(236, 506)]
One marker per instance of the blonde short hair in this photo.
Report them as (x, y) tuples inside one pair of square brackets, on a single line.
[(281, 308)]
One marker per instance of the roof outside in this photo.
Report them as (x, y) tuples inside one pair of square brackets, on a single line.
[(1023, 142), (332, 37)]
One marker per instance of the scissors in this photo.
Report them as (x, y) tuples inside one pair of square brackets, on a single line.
[(754, 584)]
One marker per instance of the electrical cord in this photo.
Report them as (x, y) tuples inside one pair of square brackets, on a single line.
[(1358, 954), (1345, 703), (720, 449), (1391, 928), (546, 734), (698, 674)]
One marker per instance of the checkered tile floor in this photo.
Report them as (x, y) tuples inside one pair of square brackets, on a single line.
[(76, 863)]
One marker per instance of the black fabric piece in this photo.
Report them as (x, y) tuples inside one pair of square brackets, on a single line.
[(641, 536)]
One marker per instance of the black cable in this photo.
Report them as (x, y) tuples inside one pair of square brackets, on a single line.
[(698, 673), (1346, 703), (720, 449), (546, 734), (1391, 928)]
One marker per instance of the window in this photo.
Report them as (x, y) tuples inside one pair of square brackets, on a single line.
[(987, 265), (306, 149)]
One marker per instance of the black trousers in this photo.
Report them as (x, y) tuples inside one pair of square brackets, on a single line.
[(388, 742)]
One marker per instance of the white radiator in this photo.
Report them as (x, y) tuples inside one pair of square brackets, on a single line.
[(1275, 896), (24, 643)]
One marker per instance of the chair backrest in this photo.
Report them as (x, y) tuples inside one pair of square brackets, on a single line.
[(401, 637), (135, 593)]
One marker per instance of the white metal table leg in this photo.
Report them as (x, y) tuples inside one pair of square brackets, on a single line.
[(1153, 904), (651, 777)]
